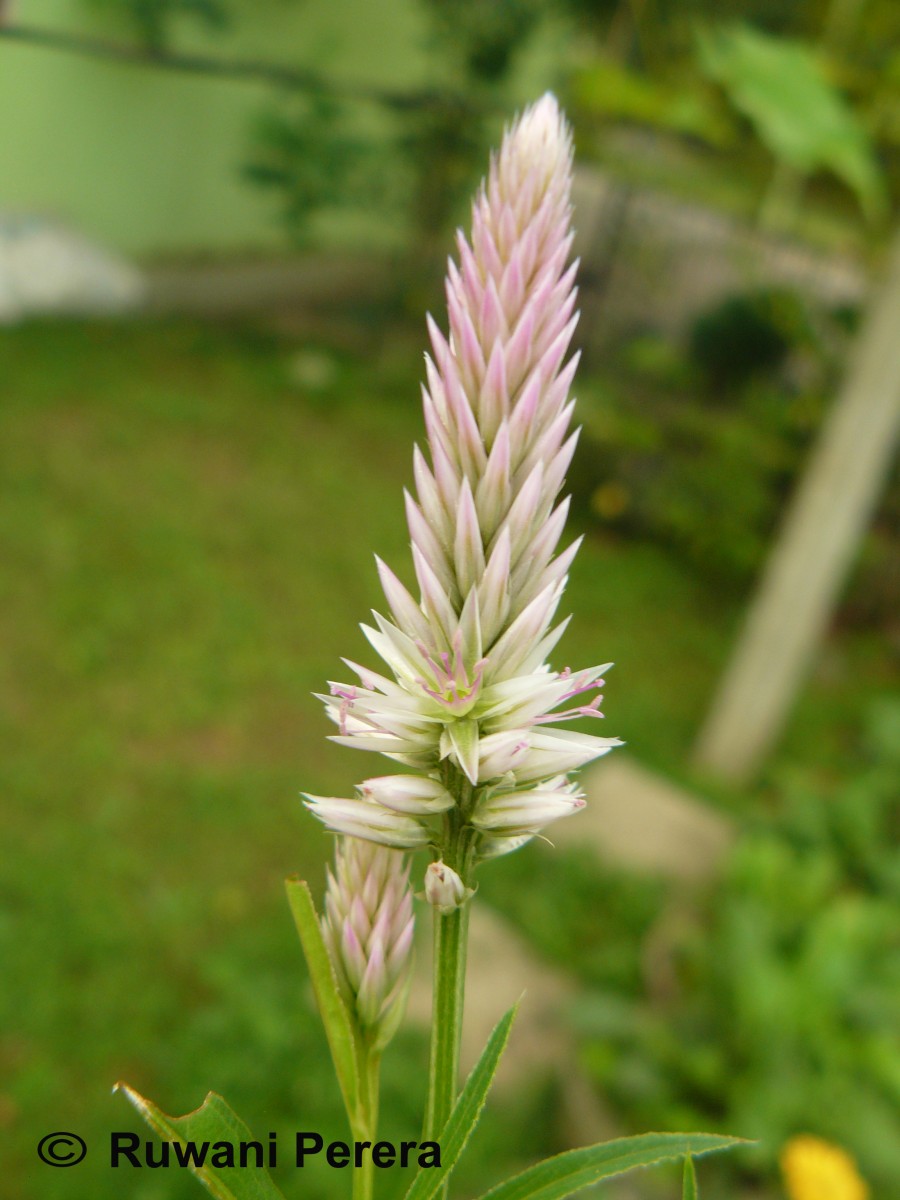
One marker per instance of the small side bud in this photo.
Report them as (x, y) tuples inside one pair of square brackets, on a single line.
[(444, 888)]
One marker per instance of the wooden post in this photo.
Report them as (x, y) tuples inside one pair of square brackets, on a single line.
[(822, 528)]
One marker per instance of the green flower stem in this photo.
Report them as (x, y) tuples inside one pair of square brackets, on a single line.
[(365, 1123), (451, 934), (450, 942)]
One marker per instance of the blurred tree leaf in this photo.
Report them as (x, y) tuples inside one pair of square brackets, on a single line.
[(484, 38), (609, 89), (304, 152), (780, 87), (150, 19)]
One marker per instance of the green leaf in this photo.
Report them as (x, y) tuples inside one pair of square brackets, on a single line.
[(806, 123), (610, 89), (566, 1173), (689, 1181), (466, 1111), (217, 1125), (335, 1018)]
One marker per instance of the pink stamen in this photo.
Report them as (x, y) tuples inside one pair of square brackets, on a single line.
[(591, 709), (453, 687), (581, 687)]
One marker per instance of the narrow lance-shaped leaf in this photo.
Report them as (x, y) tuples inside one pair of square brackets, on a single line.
[(557, 1177), (335, 1018), (203, 1137), (689, 1180), (465, 1114)]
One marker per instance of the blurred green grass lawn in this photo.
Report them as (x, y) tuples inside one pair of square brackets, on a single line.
[(186, 542)]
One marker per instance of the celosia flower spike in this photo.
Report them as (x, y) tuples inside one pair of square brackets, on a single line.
[(473, 695)]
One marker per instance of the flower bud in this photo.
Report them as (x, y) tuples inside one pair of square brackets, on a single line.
[(513, 814), (369, 821), (444, 888), (412, 794)]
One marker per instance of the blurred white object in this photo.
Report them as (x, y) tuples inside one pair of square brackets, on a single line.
[(46, 268)]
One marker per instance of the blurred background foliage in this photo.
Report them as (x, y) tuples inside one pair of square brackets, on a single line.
[(770, 1004), (150, 21), (776, 1009), (191, 505)]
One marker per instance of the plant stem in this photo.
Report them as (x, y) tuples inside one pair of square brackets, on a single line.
[(363, 1176), (451, 933), (366, 1123)]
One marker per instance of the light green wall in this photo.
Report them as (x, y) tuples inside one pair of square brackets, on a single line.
[(148, 160)]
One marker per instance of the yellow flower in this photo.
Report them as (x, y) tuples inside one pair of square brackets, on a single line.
[(814, 1169)]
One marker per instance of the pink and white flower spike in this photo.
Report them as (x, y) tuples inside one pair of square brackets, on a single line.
[(470, 703)]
